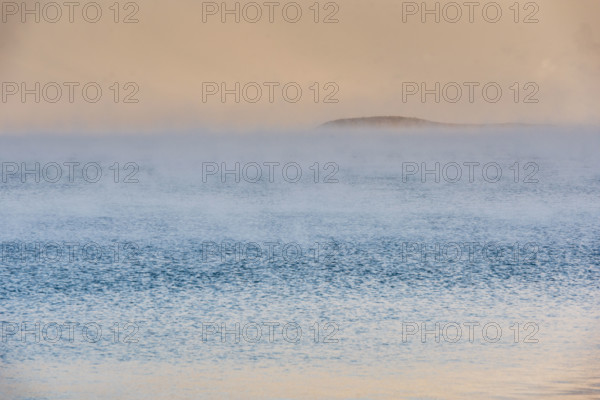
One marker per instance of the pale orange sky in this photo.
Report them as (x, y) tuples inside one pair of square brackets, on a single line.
[(368, 54)]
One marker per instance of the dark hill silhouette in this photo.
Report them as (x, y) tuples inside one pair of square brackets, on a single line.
[(391, 122)]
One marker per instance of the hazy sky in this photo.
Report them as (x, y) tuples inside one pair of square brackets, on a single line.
[(370, 55)]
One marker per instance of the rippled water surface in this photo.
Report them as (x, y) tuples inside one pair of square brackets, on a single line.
[(341, 277)]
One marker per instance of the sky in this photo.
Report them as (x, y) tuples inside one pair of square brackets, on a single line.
[(172, 61)]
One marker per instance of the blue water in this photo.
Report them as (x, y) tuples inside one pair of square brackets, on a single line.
[(361, 273)]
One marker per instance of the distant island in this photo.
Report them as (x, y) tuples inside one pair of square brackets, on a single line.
[(391, 122)]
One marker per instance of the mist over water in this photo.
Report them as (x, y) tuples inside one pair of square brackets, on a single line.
[(187, 245)]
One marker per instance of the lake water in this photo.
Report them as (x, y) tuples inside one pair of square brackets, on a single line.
[(140, 268)]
